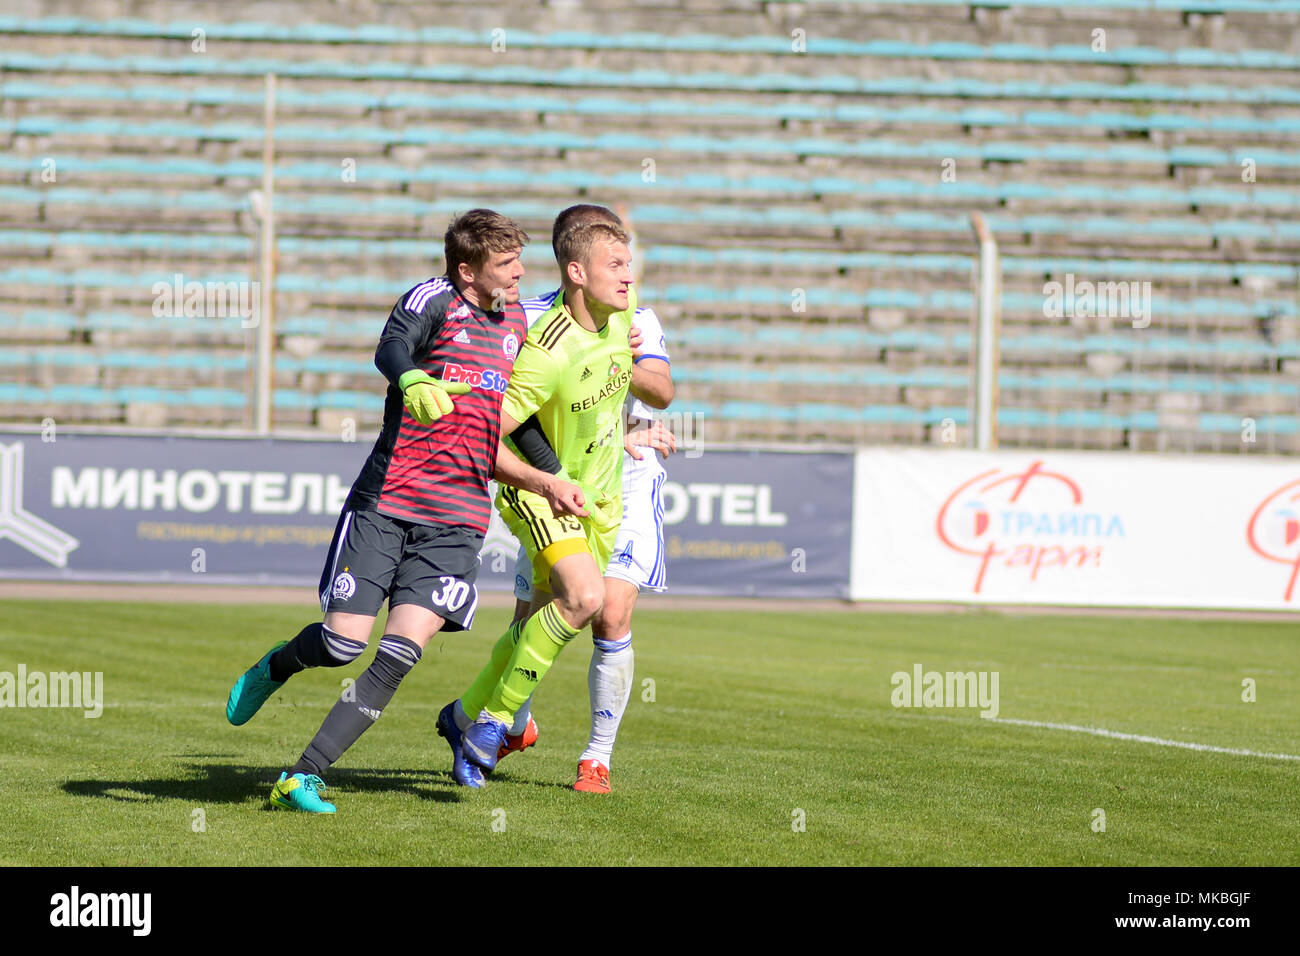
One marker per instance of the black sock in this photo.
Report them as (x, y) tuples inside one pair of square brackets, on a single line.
[(360, 705), (315, 646)]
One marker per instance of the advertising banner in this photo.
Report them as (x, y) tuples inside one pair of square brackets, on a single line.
[(240, 510), (1076, 528), (760, 523)]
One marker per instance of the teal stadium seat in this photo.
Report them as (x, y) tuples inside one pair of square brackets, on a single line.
[(803, 191)]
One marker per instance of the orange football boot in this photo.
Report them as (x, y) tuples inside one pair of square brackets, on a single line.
[(522, 742), (593, 777)]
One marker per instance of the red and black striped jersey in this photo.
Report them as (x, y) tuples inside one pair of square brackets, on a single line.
[(439, 473)]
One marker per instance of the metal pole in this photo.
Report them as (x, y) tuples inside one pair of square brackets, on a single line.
[(638, 259), (266, 323), (989, 330)]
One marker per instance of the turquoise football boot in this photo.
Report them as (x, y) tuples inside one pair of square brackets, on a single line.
[(252, 690), (300, 792)]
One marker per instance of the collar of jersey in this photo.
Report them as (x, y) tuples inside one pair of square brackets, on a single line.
[(559, 305), (477, 311)]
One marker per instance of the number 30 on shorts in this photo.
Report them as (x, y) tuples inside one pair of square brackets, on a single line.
[(453, 595)]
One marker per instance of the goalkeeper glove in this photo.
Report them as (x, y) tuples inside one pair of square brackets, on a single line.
[(427, 398), (604, 510)]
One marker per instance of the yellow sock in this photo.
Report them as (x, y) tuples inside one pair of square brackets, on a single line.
[(541, 639), (479, 691)]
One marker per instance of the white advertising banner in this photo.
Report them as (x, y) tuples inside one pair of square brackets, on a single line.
[(1076, 528)]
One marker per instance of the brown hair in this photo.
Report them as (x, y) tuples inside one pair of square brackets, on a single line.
[(583, 214), (474, 235), (575, 245)]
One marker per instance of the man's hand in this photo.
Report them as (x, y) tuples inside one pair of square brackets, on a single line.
[(564, 497), (657, 436), (634, 339), (426, 398)]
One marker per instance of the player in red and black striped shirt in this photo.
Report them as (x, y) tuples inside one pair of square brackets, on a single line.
[(438, 473), (413, 524)]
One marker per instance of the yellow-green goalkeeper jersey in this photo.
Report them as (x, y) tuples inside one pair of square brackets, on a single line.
[(575, 380)]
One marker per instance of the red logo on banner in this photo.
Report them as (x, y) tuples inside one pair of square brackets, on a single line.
[(1030, 520), (1274, 528)]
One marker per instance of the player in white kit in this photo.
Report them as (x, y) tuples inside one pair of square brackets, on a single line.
[(637, 562)]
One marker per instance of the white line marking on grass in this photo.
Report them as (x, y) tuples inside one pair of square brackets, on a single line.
[(1142, 738)]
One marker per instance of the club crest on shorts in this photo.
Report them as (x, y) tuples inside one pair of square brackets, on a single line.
[(510, 345), (345, 585)]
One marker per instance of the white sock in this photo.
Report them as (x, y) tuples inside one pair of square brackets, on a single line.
[(609, 680), (463, 720), (521, 718)]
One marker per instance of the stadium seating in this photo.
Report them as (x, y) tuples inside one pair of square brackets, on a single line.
[(800, 177)]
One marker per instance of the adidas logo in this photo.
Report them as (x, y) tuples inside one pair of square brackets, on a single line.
[(607, 714), (462, 337), (530, 675), (586, 374), (369, 712)]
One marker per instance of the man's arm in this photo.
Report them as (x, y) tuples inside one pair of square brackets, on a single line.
[(403, 333), (652, 376), (652, 382), (426, 398), (563, 496), (533, 446), (532, 382)]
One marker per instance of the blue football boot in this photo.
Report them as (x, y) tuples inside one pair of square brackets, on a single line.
[(462, 771)]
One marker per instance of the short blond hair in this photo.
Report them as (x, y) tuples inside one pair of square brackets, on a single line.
[(576, 244)]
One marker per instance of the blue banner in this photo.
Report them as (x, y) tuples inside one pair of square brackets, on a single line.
[(243, 510)]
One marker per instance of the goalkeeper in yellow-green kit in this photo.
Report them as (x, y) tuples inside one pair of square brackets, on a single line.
[(573, 373)]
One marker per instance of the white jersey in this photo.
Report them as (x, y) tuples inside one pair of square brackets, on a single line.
[(638, 556)]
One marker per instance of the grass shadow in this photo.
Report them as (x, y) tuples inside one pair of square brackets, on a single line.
[(236, 783), (510, 778)]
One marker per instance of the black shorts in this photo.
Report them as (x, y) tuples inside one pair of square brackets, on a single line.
[(374, 557)]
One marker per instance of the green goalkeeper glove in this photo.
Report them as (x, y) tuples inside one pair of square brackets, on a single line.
[(601, 509), (426, 398), (604, 511)]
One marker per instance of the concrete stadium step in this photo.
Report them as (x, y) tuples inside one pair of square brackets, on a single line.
[(757, 114), (726, 72)]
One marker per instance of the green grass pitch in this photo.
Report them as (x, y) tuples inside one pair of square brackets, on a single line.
[(770, 739)]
